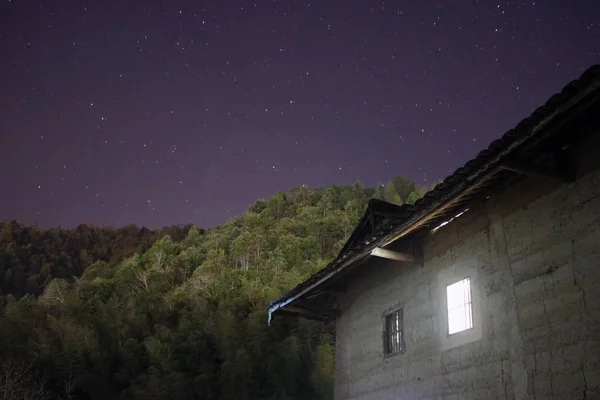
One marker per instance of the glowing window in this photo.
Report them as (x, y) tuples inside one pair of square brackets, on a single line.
[(460, 310)]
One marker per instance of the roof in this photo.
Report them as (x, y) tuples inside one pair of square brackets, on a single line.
[(384, 223), (377, 214)]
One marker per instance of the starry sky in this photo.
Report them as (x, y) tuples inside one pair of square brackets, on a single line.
[(167, 112)]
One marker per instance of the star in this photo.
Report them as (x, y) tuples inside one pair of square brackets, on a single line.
[(208, 99)]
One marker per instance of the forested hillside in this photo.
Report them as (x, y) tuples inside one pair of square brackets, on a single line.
[(185, 319), (30, 258)]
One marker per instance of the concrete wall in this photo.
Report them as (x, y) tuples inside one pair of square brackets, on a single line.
[(533, 252)]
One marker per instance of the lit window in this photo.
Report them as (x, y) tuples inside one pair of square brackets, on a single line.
[(460, 310), (392, 333)]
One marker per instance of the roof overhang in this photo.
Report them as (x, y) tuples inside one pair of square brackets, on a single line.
[(539, 139)]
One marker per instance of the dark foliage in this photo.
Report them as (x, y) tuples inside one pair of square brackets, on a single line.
[(181, 317), (30, 258)]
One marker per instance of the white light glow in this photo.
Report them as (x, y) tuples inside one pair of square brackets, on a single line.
[(460, 311), (450, 220)]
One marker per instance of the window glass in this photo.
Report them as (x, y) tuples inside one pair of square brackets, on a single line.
[(460, 310)]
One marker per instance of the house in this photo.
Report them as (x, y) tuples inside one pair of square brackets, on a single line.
[(486, 288)]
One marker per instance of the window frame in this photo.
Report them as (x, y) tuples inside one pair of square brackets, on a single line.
[(387, 335), (449, 272), (469, 303)]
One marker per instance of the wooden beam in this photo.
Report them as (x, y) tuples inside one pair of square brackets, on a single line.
[(467, 187), (536, 171), (392, 255), (327, 291), (285, 313), (315, 313)]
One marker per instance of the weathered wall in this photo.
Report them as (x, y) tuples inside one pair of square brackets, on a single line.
[(534, 252)]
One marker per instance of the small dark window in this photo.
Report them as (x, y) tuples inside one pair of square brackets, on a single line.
[(392, 333)]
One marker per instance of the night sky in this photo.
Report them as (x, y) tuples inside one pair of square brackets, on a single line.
[(165, 112)]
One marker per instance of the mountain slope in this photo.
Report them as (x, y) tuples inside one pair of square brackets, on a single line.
[(187, 319)]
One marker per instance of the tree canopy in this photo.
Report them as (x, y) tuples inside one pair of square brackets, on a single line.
[(181, 313)]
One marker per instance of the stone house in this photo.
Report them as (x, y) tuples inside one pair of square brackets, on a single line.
[(489, 286)]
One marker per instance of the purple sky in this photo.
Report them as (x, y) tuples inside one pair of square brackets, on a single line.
[(164, 112)]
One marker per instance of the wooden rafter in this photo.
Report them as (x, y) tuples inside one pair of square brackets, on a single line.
[(313, 312), (392, 255), (312, 316), (537, 171)]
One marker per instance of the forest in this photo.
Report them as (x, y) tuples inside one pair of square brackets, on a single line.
[(176, 313)]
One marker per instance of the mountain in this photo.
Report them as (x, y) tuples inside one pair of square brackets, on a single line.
[(176, 314)]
